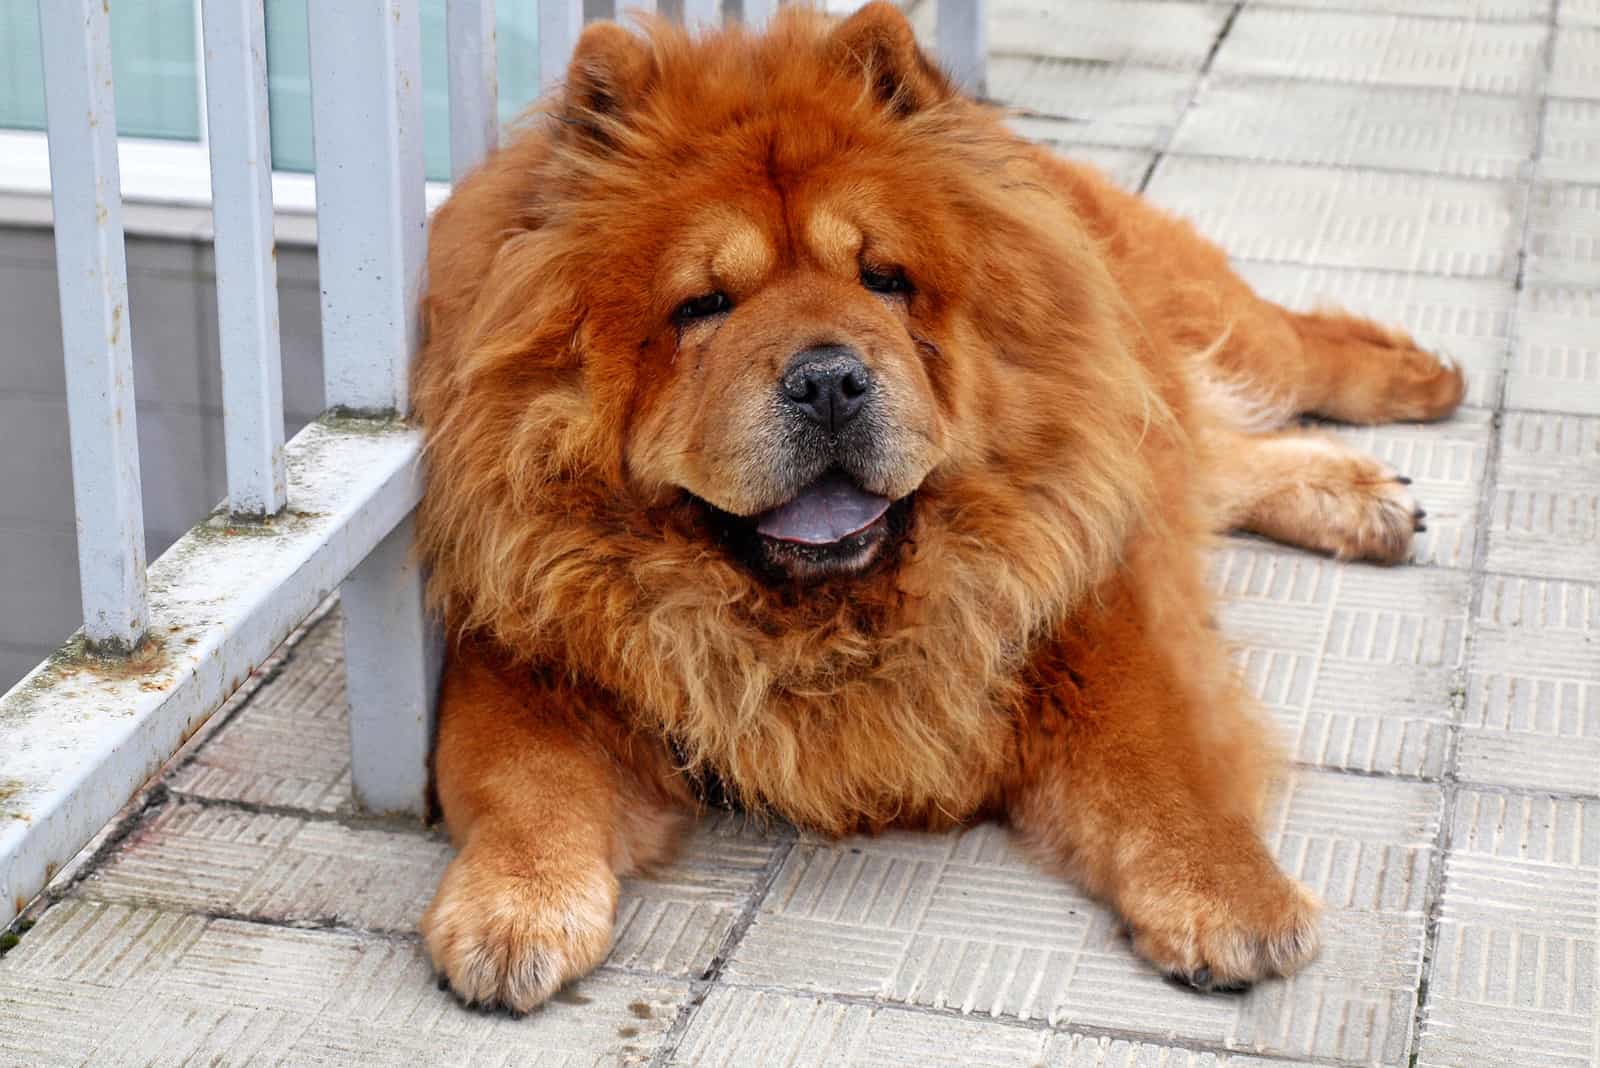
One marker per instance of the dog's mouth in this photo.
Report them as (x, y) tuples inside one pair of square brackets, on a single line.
[(825, 514), (831, 527)]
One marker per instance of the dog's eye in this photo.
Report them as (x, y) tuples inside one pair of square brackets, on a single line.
[(885, 280), (702, 307)]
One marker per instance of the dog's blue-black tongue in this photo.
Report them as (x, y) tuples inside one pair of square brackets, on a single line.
[(830, 509)]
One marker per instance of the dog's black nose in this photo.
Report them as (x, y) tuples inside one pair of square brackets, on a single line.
[(829, 384)]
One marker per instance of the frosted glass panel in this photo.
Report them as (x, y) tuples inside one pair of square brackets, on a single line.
[(289, 85), (153, 53), (152, 58), (289, 82)]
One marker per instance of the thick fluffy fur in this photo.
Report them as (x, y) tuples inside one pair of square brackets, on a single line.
[(1070, 396)]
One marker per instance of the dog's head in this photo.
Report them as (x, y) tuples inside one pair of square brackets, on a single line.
[(792, 297)]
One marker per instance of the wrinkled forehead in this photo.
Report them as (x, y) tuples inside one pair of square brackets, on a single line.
[(741, 242)]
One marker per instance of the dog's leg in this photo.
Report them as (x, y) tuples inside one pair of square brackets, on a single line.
[(544, 799), (1281, 363), (1366, 373), (1267, 363), (1145, 786), (1313, 491)]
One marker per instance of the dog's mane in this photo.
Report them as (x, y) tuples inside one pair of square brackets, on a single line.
[(854, 702)]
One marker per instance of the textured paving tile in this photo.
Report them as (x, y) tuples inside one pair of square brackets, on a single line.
[(292, 749), (1575, 65), (1483, 10), (1569, 143), (274, 867), (675, 921), (1346, 218), (102, 984), (1126, 166), (1445, 131), (1564, 234), (282, 869), (739, 1026), (1444, 53), (1467, 319), (1359, 667), (1579, 13), (1532, 717), (1556, 363), (1546, 515), (965, 922), (1130, 106), (1515, 976), (1150, 33), (1119, 33)]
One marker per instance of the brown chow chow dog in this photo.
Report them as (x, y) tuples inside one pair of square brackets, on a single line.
[(794, 428)]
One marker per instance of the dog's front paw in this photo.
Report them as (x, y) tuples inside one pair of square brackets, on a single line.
[(508, 935), (1349, 505), (1223, 936), (1373, 516)]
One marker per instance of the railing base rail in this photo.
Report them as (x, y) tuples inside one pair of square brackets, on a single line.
[(82, 734)]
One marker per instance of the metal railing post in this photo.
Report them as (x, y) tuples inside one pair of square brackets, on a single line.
[(393, 655), (366, 109), (702, 14), (247, 270), (963, 41), (560, 22), (474, 84), (371, 218), (92, 273), (757, 13)]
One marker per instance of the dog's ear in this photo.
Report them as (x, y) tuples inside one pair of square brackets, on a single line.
[(610, 72), (878, 41)]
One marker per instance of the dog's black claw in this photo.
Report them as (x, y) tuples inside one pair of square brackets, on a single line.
[(1420, 513), (1404, 480), (1421, 528), (443, 982), (1202, 981)]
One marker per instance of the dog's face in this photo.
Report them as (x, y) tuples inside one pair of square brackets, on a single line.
[(795, 270), (799, 400)]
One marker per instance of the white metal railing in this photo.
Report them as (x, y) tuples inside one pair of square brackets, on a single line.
[(234, 34), (162, 648), (93, 276)]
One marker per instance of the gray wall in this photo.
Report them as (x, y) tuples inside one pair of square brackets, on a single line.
[(177, 382)]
